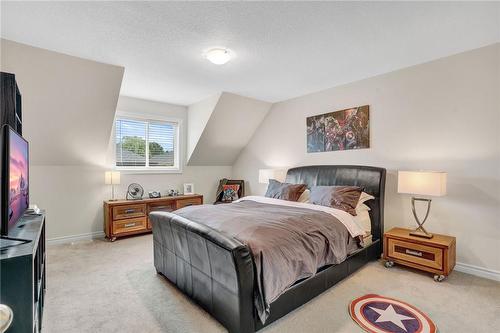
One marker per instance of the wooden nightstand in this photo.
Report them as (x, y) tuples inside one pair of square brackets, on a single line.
[(436, 255)]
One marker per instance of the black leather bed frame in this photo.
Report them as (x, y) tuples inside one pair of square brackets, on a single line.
[(217, 272)]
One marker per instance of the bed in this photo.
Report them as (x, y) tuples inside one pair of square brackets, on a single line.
[(219, 271)]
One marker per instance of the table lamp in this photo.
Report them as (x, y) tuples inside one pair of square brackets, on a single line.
[(112, 178), (426, 183), (266, 174)]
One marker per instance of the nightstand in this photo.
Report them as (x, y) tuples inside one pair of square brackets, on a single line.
[(436, 255)]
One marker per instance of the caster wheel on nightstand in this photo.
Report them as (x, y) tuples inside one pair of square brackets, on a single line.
[(439, 278), (389, 264)]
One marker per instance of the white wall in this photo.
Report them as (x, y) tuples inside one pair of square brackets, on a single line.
[(442, 115), (68, 103), (232, 122), (198, 116)]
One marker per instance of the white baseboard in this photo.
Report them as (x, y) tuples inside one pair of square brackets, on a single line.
[(461, 267), (75, 238), (478, 271)]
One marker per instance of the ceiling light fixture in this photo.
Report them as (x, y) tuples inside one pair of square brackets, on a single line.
[(218, 56)]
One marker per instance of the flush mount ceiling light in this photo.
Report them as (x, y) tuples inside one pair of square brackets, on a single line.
[(218, 56)]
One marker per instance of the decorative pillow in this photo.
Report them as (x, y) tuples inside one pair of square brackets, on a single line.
[(230, 193), (341, 197), (284, 191), (305, 196)]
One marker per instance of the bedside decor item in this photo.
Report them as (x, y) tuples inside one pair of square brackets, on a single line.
[(434, 255), (112, 178), (154, 194), (220, 189), (126, 218), (266, 174), (339, 130), (427, 183), (188, 188), (374, 314), (135, 192), (230, 192)]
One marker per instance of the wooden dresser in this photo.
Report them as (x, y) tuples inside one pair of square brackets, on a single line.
[(130, 217), (436, 255)]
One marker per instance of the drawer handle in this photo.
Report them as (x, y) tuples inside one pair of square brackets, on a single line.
[(414, 253), (128, 225), (162, 207), (128, 211)]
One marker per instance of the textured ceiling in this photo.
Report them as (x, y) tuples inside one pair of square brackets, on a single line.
[(283, 49)]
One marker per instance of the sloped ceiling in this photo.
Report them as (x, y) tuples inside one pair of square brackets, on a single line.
[(68, 104), (230, 126)]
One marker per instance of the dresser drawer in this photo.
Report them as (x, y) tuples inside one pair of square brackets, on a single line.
[(188, 202), (423, 255), (168, 206), (129, 211), (128, 225)]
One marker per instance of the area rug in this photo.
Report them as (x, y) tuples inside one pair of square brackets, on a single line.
[(379, 314)]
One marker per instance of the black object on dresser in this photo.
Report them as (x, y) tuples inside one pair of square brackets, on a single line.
[(22, 273), (10, 102)]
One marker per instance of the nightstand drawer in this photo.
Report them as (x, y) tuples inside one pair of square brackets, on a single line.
[(128, 211), (188, 202), (415, 253), (128, 225)]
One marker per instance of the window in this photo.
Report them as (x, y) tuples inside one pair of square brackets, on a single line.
[(147, 144)]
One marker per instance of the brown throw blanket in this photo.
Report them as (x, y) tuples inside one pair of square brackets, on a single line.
[(287, 243)]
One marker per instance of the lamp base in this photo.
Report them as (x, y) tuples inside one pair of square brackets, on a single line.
[(419, 233)]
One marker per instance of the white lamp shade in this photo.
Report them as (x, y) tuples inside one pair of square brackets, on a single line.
[(112, 178), (266, 174), (432, 183)]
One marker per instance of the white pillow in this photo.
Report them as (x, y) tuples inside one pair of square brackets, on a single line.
[(365, 197), (363, 220), (361, 206), (305, 196)]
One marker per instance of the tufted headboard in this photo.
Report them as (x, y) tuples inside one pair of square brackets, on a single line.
[(371, 179)]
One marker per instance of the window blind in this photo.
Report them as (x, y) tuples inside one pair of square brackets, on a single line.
[(145, 143)]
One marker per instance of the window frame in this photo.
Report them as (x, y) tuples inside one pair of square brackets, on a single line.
[(150, 118)]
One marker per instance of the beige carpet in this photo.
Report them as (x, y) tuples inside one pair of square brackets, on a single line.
[(113, 287)]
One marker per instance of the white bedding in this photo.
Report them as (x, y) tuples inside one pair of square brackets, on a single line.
[(345, 218)]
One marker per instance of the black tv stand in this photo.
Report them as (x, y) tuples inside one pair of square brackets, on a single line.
[(22, 273), (8, 242)]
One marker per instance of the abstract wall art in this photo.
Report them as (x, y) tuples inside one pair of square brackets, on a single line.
[(339, 130)]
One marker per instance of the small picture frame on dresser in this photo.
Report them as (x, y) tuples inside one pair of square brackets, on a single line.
[(188, 188)]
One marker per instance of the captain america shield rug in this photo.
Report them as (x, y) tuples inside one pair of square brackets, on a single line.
[(379, 314)]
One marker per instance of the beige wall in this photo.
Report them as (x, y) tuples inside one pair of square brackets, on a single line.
[(442, 115)]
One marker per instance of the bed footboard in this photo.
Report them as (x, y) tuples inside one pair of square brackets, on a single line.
[(214, 270)]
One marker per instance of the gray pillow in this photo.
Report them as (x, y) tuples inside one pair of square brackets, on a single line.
[(341, 197), (284, 191)]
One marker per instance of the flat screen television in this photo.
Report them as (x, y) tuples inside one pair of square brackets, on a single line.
[(15, 177)]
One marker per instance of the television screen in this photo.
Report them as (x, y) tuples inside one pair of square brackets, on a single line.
[(17, 175)]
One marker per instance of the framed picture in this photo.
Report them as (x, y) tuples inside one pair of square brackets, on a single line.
[(188, 188), (339, 130)]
